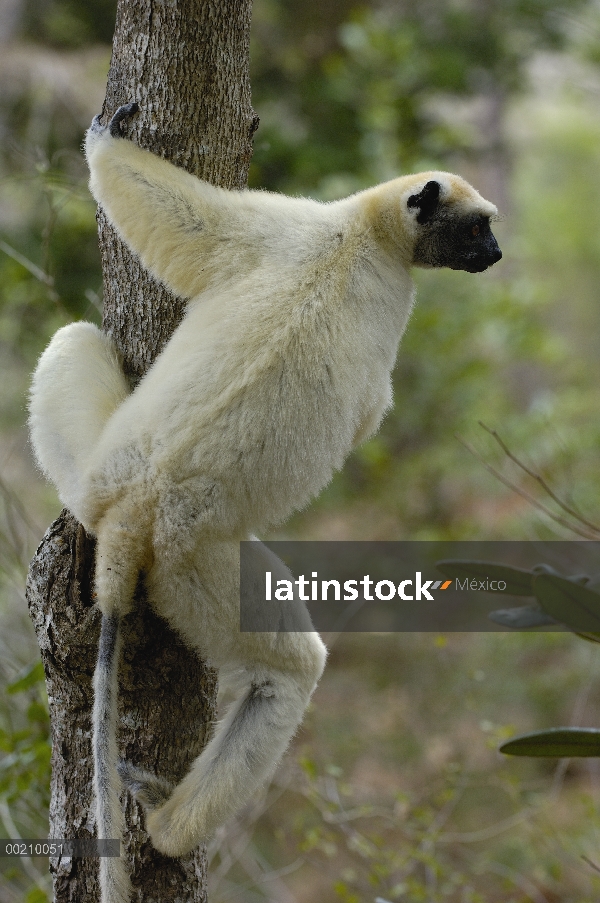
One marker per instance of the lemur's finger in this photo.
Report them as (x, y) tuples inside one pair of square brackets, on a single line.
[(124, 112)]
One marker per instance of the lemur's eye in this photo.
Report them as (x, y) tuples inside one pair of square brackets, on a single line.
[(475, 230)]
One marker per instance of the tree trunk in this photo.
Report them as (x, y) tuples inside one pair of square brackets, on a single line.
[(186, 63)]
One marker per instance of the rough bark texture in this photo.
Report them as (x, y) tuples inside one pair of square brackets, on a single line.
[(186, 64)]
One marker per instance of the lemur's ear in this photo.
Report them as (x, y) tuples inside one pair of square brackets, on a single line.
[(426, 200)]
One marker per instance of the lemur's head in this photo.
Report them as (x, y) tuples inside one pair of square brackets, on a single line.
[(451, 223)]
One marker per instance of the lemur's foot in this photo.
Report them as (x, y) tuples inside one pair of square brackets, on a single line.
[(156, 796), (169, 829), (147, 788), (124, 112)]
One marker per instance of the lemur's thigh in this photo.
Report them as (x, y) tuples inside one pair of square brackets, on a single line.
[(197, 590), (193, 585), (77, 385)]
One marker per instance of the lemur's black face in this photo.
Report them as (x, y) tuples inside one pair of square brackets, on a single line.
[(446, 240)]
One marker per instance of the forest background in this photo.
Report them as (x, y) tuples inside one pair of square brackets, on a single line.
[(394, 788)]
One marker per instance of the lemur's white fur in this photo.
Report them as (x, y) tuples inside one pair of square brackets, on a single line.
[(281, 365)]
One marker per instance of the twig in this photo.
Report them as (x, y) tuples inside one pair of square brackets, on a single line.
[(40, 880), (520, 881), (539, 479), (493, 830), (31, 267), (591, 864), (586, 534)]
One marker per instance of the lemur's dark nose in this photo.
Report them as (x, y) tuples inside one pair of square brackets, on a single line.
[(494, 254)]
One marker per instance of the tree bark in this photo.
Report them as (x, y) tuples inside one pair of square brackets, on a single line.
[(186, 64)]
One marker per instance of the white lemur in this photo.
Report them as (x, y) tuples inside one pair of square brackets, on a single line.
[(280, 367)]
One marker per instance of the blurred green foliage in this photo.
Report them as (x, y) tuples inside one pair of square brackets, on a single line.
[(398, 792), (69, 23), (344, 90), (25, 766)]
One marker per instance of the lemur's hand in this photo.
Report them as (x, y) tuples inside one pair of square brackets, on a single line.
[(114, 126), (124, 112)]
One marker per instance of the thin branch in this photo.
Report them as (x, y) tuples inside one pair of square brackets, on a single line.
[(539, 479), (94, 300), (41, 881), (490, 831), (31, 267), (591, 864), (586, 534), (520, 881)]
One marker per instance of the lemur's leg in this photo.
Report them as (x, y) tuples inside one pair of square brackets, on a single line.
[(77, 385), (280, 670), (244, 752)]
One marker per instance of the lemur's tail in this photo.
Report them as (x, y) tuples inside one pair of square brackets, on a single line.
[(114, 877), (122, 540), (77, 385)]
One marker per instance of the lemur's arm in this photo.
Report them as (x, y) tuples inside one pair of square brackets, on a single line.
[(173, 221)]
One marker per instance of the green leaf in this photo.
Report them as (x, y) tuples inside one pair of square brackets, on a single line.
[(32, 675), (556, 742), (521, 618), (590, 637), (569, 603), (518, 581)]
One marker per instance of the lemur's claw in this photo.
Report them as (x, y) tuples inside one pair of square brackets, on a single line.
[(96, 125), (114, 126)]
